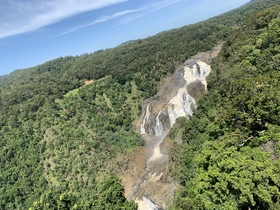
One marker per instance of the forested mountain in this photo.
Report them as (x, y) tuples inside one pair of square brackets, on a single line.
[(66, 125), (230, 156)]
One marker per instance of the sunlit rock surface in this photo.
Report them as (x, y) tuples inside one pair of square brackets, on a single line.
[(175, 99), (158, 122)]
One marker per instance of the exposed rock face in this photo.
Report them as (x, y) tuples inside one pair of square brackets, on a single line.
[(188, 83), (177, 98)]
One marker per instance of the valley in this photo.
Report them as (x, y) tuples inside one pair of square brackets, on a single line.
[(186, 119)]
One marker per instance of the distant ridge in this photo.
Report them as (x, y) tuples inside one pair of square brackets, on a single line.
[(129, 42), (62, 142)]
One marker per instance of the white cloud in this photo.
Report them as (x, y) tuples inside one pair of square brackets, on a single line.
[(137, 13), (99, 20), (19, 17), (147, 9)]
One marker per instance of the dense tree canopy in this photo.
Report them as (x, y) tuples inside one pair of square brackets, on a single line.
[(230, 157), (62, 142)]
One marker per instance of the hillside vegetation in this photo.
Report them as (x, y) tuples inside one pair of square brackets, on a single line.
[(230, 156), (62, 142)]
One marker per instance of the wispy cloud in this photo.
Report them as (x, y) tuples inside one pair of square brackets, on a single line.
[(99, 20), (149, 8), (19, 17), (127, 15)]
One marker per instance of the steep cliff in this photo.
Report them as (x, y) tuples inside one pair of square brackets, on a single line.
[(176, 98)]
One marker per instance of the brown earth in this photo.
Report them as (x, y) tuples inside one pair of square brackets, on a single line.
[(160, 186)]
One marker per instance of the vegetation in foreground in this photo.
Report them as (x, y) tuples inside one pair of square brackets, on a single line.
[(62, 142), (230, 156)]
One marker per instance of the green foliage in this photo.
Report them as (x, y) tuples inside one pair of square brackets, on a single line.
[(228, 178), (109, 195), (230, 156), (58, 136)]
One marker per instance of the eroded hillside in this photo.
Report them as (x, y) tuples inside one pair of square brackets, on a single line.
[(150, 184), (230, 155), (63, 143)]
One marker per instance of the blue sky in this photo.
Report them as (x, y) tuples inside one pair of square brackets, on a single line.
[(35, 31)]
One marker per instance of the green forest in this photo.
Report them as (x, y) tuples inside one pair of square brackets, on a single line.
[(67, 125), (230, 155)]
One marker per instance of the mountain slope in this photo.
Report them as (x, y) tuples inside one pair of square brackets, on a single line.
[(60, 138), (230, 155)]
